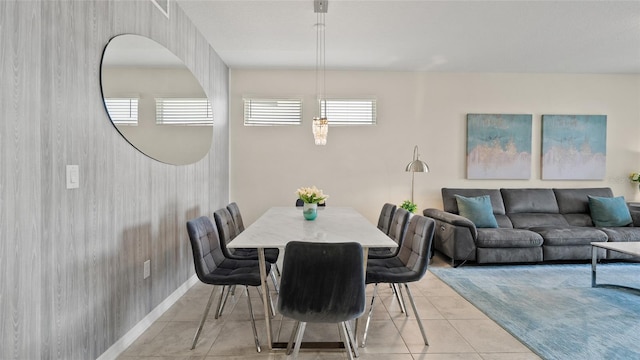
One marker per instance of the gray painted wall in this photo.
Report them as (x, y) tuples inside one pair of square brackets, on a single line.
[(71, 260)]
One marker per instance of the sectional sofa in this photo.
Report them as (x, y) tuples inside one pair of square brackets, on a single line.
[(531, 225)]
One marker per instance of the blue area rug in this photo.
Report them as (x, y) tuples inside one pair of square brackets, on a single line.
[(554, 310)]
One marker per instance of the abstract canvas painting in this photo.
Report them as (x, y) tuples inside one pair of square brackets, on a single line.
[(498, 146), (574, 147)]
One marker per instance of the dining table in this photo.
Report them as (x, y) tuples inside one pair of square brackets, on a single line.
[(280, 225)]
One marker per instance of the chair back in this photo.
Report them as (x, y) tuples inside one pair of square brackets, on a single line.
[(322, 282), (415, 250), (234, 210), (226, 229), (386, 215), (398, 225), (205, 243)]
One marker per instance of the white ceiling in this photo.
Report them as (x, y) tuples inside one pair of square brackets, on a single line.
[(438, 36)]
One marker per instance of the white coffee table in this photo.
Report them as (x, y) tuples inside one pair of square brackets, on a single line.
[(631, 248)]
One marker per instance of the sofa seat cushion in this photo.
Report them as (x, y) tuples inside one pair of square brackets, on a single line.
[(529, 220), (622, 234), (572, 235), (507, 238)]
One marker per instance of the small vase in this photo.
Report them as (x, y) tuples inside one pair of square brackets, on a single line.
[(310, 211)]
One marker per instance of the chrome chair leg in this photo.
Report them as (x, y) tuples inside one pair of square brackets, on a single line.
[(293, 337), (403, 305), (352, 339), (299, 335), (253, 321), (273, 309), (222, 302), (204, 317), (275, 281), (366, 326), (398, 294), (347, 342), (415, 311)]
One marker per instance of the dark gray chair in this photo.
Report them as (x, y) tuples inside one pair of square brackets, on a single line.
[(323, 283), (227, 231), (409, 265), (213, 268), (386, 215), (234, 210), (396, 231)]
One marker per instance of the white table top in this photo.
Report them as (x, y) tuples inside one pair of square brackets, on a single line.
[(279, 225), (630, 247)]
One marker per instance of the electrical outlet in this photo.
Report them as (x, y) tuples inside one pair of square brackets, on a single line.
[(147, 269)]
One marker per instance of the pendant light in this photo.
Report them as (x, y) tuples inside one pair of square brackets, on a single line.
[(320, 125)]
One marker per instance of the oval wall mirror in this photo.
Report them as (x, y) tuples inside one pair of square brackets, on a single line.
[(154, 101)]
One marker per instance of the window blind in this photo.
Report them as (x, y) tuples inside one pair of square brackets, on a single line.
[(272, 111), (183, 111), (123, 111), (349, 112)]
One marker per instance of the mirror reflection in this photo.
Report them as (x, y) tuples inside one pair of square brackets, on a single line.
[(154, 101)]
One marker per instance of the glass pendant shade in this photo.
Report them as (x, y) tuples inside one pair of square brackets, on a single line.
[(320, 130)]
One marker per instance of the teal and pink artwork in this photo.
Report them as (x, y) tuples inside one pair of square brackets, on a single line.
[(574, 147), (498, 146)]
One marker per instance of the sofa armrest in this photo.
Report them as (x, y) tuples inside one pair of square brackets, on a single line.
[(635, 216), (453, 219)]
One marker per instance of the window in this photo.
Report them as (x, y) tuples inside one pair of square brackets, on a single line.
[(123, 111), (182, 111), (349, 112), (272, 112)]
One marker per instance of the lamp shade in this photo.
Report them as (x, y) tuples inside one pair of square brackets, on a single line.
[(417, 165)]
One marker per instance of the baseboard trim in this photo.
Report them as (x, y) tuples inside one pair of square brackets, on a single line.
[(124, 342)]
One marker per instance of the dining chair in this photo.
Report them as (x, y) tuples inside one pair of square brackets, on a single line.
[(409, 265), (213, 268), (322, 283), (227, 231), (386, 215), (397, 227)]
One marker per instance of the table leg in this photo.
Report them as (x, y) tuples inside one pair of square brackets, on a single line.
[(364, 264), (265, 294), (594, 261)]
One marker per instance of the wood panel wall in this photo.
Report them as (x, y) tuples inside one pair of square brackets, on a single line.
[(71, 260)]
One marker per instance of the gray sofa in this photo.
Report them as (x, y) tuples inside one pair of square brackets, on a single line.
[(534, 225)]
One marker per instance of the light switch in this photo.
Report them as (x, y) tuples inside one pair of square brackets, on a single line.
[(73, 176)]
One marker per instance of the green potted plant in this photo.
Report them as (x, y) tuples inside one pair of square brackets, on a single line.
[(409, 206)]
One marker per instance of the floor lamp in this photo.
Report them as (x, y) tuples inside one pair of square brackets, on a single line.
[(416, 165)]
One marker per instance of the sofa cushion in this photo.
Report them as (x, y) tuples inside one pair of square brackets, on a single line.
[(508, 238), (576, 201), (573, 235), (609, 211), (450, 203), (529, 201), (478, 210), (622, 234), (579, 219), (528, 220)]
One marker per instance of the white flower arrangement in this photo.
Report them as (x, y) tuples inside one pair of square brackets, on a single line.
[(635, 177), (311, 195)]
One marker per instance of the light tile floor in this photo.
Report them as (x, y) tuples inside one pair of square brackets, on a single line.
[(455, 329)]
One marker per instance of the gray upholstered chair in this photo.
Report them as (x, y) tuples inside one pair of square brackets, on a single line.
[(397, 227), (213, 268), (227, 231), (322, 282), (409, 265), (386, 215)]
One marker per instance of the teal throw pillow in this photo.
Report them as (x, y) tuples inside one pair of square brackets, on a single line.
[(609, 211), (478, 210)]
